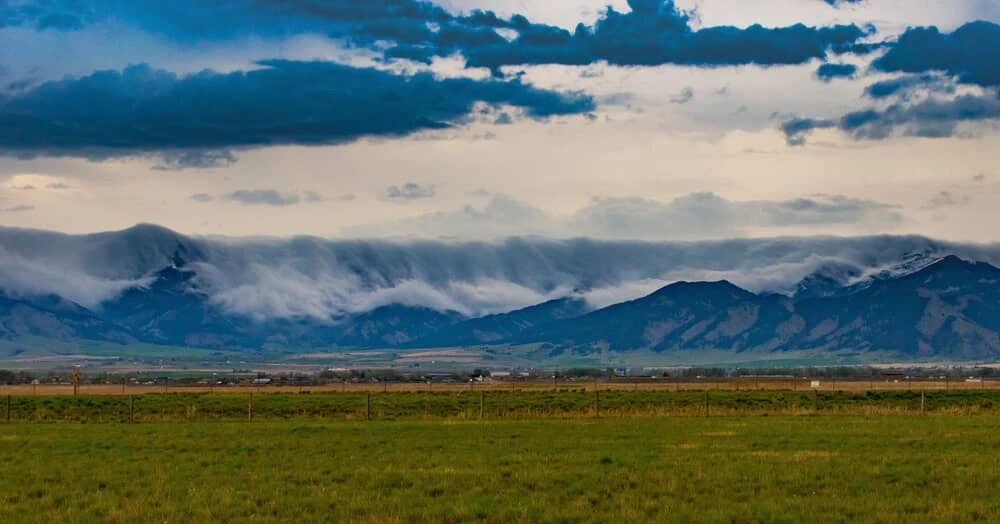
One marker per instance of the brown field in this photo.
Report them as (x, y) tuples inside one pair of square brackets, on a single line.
[(742, 384)]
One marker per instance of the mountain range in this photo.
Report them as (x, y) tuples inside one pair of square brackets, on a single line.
[(920, 306)]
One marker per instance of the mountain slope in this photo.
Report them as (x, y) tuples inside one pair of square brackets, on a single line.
[(684, 315), (495, 328), (54, 318), (950, 308), (172, 310), (394, 325)]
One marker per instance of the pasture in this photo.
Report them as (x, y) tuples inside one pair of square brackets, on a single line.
[(892, 468)]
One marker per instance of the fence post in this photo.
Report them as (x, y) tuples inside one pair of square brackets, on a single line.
[(250, 408), (923, 403), (706, 404), (8, 409), (597, 403), (368, 407), (482, 403), (815, 401)]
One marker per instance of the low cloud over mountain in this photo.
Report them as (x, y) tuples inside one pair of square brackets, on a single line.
[(322, 279)]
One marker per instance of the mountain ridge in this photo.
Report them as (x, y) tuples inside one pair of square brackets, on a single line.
[(921, 305)]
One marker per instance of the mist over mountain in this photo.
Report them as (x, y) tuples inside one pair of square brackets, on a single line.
[(153, 285), (321, 278)]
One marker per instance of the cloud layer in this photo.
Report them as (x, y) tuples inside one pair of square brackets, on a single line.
[(925, 101), (325, 279), (698, 215), (142, 110), (653, 32)]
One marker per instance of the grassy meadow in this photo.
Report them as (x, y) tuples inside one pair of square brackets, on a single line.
[(733, 469)]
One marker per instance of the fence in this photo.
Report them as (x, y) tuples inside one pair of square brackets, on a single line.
[(506, 384), (463, 405)]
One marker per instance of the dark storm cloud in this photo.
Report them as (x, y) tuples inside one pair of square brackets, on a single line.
[(929, 118), (140, 110), (923, 105), (905, 85), (828, 72), (653, 32), (198, 20), (58, 15), (796, 129), (971, 53)]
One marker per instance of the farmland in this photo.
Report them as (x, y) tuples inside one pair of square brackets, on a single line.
[(730, 469), (564, 454)]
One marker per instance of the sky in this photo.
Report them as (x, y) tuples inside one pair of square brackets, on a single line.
[(486, 119)]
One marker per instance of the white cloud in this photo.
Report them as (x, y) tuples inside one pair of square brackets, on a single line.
[(328, 279), (698, 215)]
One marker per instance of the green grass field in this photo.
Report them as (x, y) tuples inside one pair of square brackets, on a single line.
[(741, 469)]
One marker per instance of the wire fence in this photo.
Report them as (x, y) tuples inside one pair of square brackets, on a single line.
[(168, 385), (486, 405)]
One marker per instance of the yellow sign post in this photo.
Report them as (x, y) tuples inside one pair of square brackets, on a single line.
[(76, 381)]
